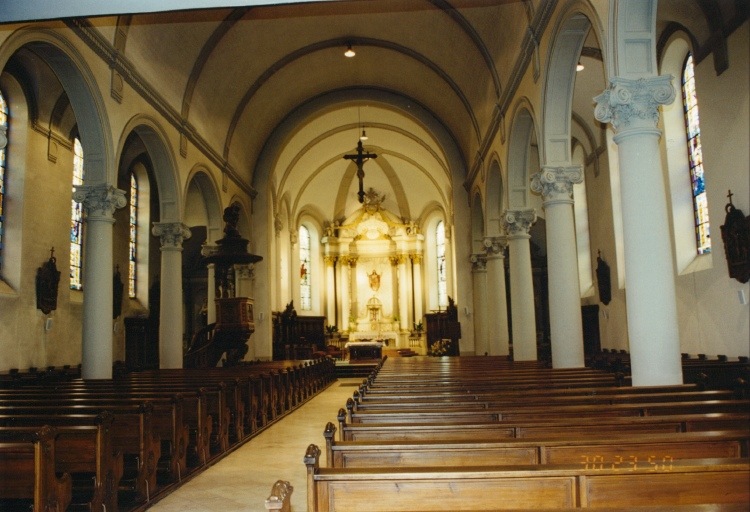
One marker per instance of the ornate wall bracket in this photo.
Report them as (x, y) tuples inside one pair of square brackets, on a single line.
[(736, 236), (47, 281)]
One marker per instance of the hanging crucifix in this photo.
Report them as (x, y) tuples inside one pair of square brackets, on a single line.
[(360, 158)]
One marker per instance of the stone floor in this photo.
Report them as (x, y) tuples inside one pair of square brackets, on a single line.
[(243, 479)]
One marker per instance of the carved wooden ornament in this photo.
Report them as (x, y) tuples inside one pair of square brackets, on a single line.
[(736, 236), (47, 279)]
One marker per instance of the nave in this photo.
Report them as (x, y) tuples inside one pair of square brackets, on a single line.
[(242, 480)]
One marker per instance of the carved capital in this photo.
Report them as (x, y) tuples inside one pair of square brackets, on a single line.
[(172, 234), (495, 245), (518, 222), (100, 200), (478, 262), (555, 183), (277, 225), (329, 260), (416, 259), (629, 103)]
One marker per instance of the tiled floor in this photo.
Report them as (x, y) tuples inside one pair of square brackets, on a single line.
[(242, 480)]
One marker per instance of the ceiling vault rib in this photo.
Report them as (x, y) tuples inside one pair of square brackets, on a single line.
[(333, 43), (536, 29), (468, 28), (211, 43), (94, 40)]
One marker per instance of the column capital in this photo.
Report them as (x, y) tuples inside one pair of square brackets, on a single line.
[(495, 245), (478, 262), (416, 258), (629, 103), (517, 223), (329, 260), (555, 184), (100, 201), (172, 234)]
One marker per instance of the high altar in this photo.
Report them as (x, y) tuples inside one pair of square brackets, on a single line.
[(373, 259)]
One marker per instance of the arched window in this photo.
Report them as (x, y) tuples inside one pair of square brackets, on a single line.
[(76, 221), (133, 237), (442, 274), (695, 157), (3, 152), (305, 251)]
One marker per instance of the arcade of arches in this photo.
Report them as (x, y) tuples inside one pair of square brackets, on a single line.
[(503, 175)]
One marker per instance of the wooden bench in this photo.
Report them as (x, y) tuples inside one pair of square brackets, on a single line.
[(461, 431), (27, 470), (131, 434), (83, 449), (280, 497), (616, 446), (553, 486)]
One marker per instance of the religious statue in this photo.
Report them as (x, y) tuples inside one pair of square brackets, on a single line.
[(374, 278), (231, 218)]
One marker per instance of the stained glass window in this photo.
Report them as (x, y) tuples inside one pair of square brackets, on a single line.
[(695, 158), (76, 221), (442, 280), (133, 239), (305, 290), (4, 126)]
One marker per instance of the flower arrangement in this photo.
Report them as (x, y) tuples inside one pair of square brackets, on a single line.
[(331, 329), (418, 327), (440, 348)]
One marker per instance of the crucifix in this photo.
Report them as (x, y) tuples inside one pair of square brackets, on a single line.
[(360, 158)]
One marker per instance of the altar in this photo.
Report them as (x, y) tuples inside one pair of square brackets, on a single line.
[(359, 350)]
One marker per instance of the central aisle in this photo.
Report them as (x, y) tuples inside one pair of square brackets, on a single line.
[(242, 480)]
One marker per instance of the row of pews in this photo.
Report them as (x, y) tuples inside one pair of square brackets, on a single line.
[(483, 433), (120, 444)]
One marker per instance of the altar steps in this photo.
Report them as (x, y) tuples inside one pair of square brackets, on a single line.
[(345, 369)]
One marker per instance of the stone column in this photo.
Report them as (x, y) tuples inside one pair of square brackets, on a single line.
[(208, 250), (171, 324), (329, 262), (479, 285), (403, 311), (416, 261), (344, 292), (99, 203), (497, 306), (353, 292), (555, 184), (517, 224), (632, 106)]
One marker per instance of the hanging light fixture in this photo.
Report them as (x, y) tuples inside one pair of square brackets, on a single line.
[(349, 52), (579, 66), (363, 137)]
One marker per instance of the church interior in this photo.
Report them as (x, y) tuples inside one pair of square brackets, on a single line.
[(281, 198)]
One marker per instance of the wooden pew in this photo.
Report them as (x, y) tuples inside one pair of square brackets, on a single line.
[(553, 486), (83, 449), (461, 431), (280, 497), (617, 446), (519, 411), (27, 470), (131, 434), (513, 399)]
